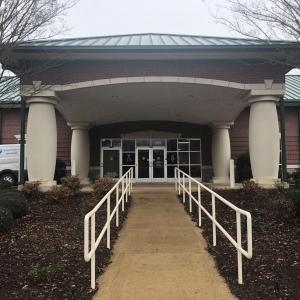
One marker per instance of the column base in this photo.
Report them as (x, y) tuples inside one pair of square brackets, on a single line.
[(221, 180), (45, 185), (266, 181), (85, 181)]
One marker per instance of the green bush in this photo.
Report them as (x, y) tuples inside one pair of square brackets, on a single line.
[(294, 196), (5, 185), (243, 167), (15, 202), (6, 219)]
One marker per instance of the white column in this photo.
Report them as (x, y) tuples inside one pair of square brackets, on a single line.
[(264, 139), (41, 141), (221, 152), (80, 151)]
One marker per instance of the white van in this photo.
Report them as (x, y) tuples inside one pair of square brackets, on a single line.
[(9, 163)]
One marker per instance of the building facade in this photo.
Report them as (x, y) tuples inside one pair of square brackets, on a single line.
[(153, 102)]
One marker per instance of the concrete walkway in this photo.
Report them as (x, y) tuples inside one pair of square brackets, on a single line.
[(160, 254)]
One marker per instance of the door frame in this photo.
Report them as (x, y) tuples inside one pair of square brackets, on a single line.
[(150, 179)]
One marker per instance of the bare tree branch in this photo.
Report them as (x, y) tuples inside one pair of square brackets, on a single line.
[(23, 20)]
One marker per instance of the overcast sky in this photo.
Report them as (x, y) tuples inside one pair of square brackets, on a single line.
[(109, 17)]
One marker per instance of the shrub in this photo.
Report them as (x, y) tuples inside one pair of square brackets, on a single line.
[(5, 185), (39, 272), (102, 186), (59, 195), (15, 202), (6, 219), (252, 192), (72, 183), (243, 167), (294, 196), (31, 189)]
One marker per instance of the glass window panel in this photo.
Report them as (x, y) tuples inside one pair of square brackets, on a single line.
[(128, 158), (171, 158), (195, 158), (111, 163), (184, 158), (106, 143), (143, 143), (158, 142), (185, 169), (195, 145), (116, 143), (170, 171), (172, 145), (128, 145), (196, 171), (126, 168), (183, 145)]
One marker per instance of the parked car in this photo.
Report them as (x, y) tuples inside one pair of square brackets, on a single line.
[(10, 165)]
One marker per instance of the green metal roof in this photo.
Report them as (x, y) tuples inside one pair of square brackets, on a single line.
[(10, 90), (150, 40), (292, 88)]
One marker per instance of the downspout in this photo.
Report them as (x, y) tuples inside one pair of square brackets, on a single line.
[(22, 142), (283, 144)]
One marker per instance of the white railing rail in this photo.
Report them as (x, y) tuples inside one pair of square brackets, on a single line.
[(122, 190), (183, 182)]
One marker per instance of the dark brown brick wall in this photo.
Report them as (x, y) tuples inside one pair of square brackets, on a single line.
[(235, 71)]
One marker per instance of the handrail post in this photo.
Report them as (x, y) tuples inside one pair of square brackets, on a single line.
[(126, 187), (190, 193), (117, 206), (175, 178), (93, 258), (199, 207), (108, 220), (239, 242), (123, 194), (129, 182), (213, 205), (179, 183), (131, 179), (183, 188)]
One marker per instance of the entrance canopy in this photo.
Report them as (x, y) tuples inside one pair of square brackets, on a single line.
[(152, 98)]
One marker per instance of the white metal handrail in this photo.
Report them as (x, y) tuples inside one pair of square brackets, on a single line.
[(123, 185), (181, 179)]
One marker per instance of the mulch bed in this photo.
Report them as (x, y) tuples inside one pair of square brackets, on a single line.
[(42, 257), (274, 270)]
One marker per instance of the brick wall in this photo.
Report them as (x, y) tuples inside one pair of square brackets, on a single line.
[(236, 71)]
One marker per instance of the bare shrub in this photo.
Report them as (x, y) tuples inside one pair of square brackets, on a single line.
[(72, 183), (31, 189)]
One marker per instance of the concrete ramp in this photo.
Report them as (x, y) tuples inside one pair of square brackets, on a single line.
[(160, 254)]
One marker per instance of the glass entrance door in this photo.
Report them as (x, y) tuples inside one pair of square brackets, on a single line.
[(158, 163), (151, 164), (143, 164)]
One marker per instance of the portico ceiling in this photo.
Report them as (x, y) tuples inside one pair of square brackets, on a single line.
[(144, 101)]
